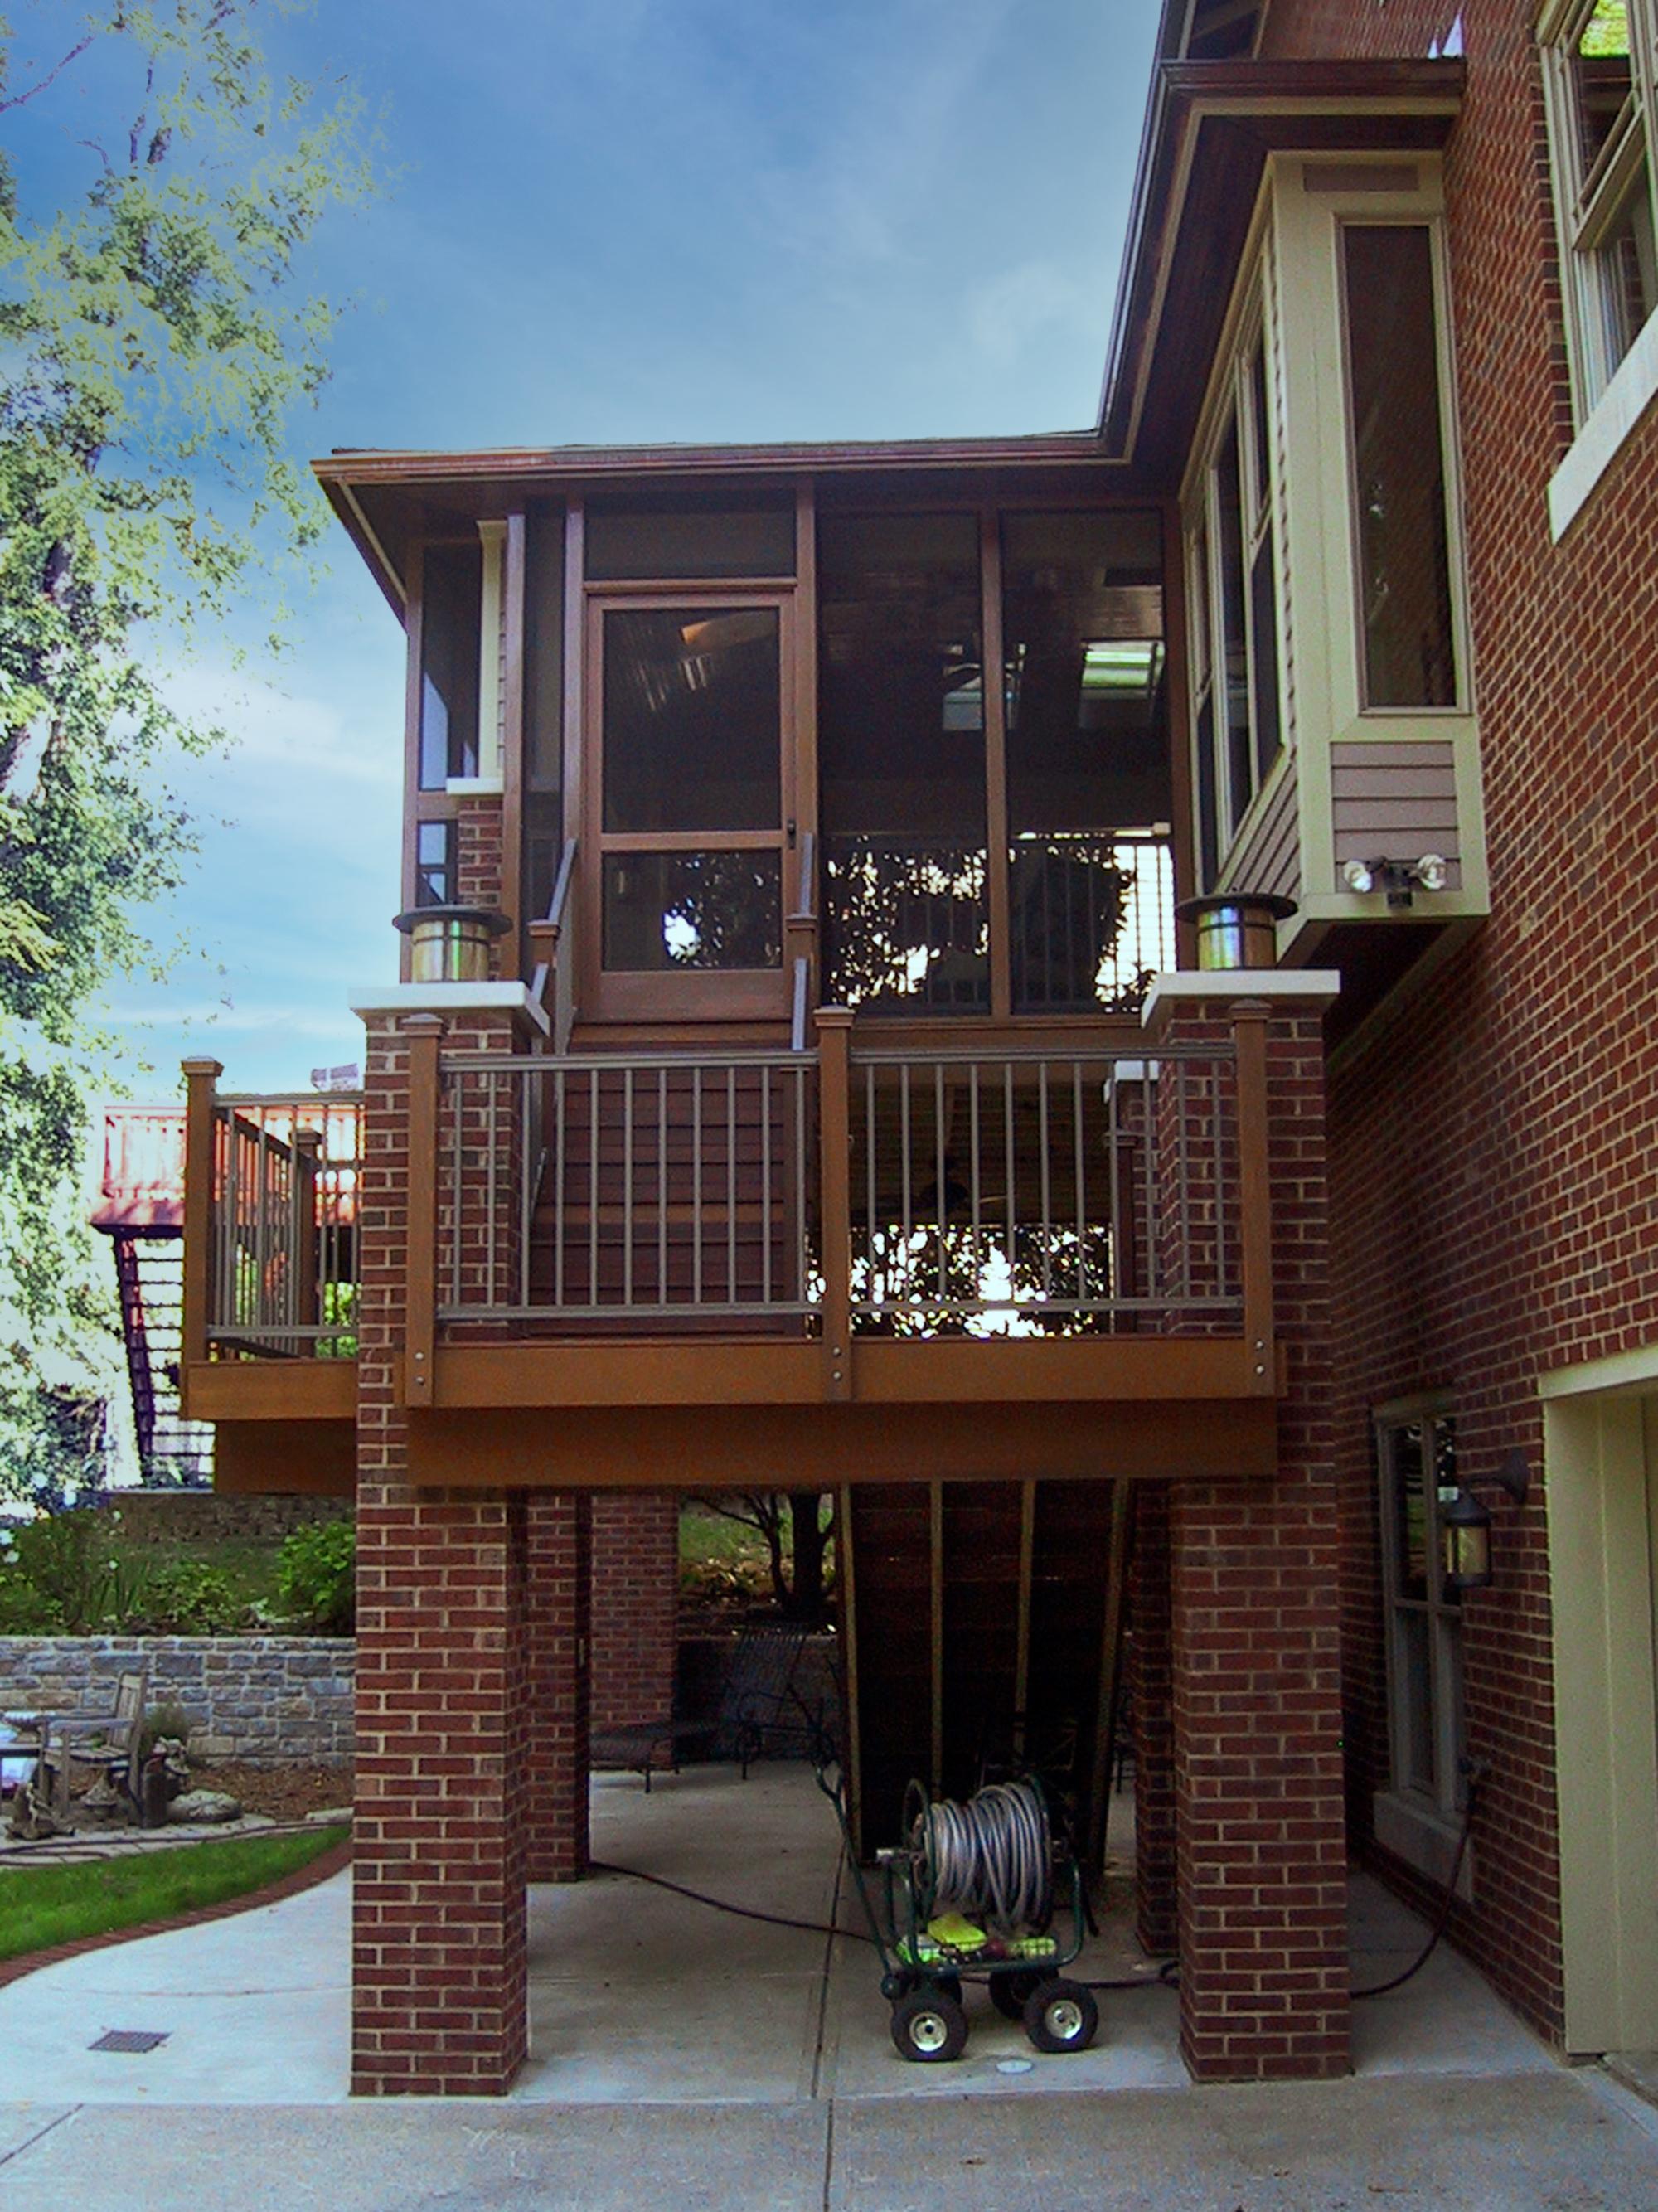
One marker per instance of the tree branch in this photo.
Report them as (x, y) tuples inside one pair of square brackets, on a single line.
[(20, 99)]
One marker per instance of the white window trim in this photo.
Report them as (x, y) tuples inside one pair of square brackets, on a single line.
[(1607, 402), (1611, 421)]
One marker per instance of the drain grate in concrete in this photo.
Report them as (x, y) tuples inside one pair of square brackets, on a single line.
[(131, 2038)]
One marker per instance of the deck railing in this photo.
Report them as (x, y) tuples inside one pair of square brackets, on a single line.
[(864, 1188), (646, 1187), (282, 1255)]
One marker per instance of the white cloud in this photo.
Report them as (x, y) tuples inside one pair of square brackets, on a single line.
[(1027, 306)]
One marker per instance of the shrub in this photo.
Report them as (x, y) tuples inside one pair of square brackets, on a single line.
[(64, 1574), (317, 1575), (184, 1598), (167, 1720)]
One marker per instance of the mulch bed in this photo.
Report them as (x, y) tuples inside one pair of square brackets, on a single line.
[(289, 1885)]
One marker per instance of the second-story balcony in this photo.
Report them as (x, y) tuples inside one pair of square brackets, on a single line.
[(868, 1219)]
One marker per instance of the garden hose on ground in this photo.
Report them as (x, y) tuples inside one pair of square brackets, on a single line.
[(1475, 1770)]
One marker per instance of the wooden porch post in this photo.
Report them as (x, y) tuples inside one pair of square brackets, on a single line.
[(200, 1078)]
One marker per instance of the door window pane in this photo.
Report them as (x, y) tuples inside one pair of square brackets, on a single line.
[(667, 911), (692, 718), (1399, 469), (1234, 640)]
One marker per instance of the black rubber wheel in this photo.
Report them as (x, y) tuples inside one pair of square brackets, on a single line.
[(1011, 1993), (1062, 2016), (929, 2026)]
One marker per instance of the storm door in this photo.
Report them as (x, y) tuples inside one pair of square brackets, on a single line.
[(688, 807)]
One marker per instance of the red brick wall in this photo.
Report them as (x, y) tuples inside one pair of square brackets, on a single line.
[(1260, 1849), (1491, 1148), (560, 1523), (1150, 1690), (636, 1605)]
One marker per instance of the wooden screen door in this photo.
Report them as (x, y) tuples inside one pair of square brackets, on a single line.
[(689, 802)]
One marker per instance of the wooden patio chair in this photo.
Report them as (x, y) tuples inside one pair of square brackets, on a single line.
[(111, 1739)]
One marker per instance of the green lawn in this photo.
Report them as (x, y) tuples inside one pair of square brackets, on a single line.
[(43, 1905)]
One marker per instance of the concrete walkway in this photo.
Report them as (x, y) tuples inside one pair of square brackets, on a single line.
[(697, 2059)]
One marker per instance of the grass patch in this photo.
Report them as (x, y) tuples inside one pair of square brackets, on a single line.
[(40, 1906)]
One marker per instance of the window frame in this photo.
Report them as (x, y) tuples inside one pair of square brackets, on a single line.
[(1442, 1804), (1219, 815), (1589, 200)]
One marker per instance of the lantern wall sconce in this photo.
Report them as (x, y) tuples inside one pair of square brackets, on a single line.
[(1466, 1525), (1400, 879)]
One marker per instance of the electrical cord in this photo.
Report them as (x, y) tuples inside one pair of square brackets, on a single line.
[(1476, 1771), (725, 1904)]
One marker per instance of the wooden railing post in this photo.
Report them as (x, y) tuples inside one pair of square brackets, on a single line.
[(200, 1078), (800, 945), (835, 1193), (302, 1236), (1249, 1023), (425, 1034)]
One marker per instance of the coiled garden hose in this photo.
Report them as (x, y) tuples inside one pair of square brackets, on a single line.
[(990, 1858)]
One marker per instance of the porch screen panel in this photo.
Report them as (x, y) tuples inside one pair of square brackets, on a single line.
[(1089, 793), (901, 755)]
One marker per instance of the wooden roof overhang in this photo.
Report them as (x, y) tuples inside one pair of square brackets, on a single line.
[(1210, 130), (388, 501)]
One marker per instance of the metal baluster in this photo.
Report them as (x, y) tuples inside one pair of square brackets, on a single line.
[(1007, 1146), (1046, 1173), (1154, 1268), (454, 1088), (492, 1178), (939, 1172), (903, 1159), (560, 1125), (523, 1076), (800, 1182), (626, 1186), (975, 1181), (1116, 1273), (662, 1185), (871, 1286), (592, 1186), (1218, 1169), (1081, 1174), (696, 1186), (731, 1186), (1183, 1170), (765, 1186)]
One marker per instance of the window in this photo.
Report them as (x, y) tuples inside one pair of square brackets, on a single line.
[(1396, 451), (1416, 1451), (1602, 77), (435, 864), (451, 614), (1232, 556)]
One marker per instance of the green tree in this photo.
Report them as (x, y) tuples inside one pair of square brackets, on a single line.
[(156, 336)]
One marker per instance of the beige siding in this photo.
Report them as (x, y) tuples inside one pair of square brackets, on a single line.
[(1270, 857), (1396, 802)]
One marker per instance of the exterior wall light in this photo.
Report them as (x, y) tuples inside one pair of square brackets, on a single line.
[(1400, 879), (1465, 1528), (1465, 1525)]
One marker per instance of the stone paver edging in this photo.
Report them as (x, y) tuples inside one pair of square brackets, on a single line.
[(321, 1868)]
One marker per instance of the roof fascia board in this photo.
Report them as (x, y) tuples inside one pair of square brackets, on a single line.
[(1187, 95)]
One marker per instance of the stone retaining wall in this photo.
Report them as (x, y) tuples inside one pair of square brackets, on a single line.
[(260, 1698), (211, 1516)]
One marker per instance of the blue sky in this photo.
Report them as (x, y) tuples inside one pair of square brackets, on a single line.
[(617, 220)]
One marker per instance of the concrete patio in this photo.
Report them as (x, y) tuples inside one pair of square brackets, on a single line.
[(685, 2059)]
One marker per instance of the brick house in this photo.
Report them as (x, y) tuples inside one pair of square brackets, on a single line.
[(795, 1067)]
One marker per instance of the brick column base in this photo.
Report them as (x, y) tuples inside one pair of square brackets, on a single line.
[(438, 1936), (560, 1556), (1260, 1845)]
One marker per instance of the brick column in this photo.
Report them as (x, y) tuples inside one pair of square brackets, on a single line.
[(1151, 1690), (1260, 1848), (636, 1605), (438, 1953), (560, 1542)]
